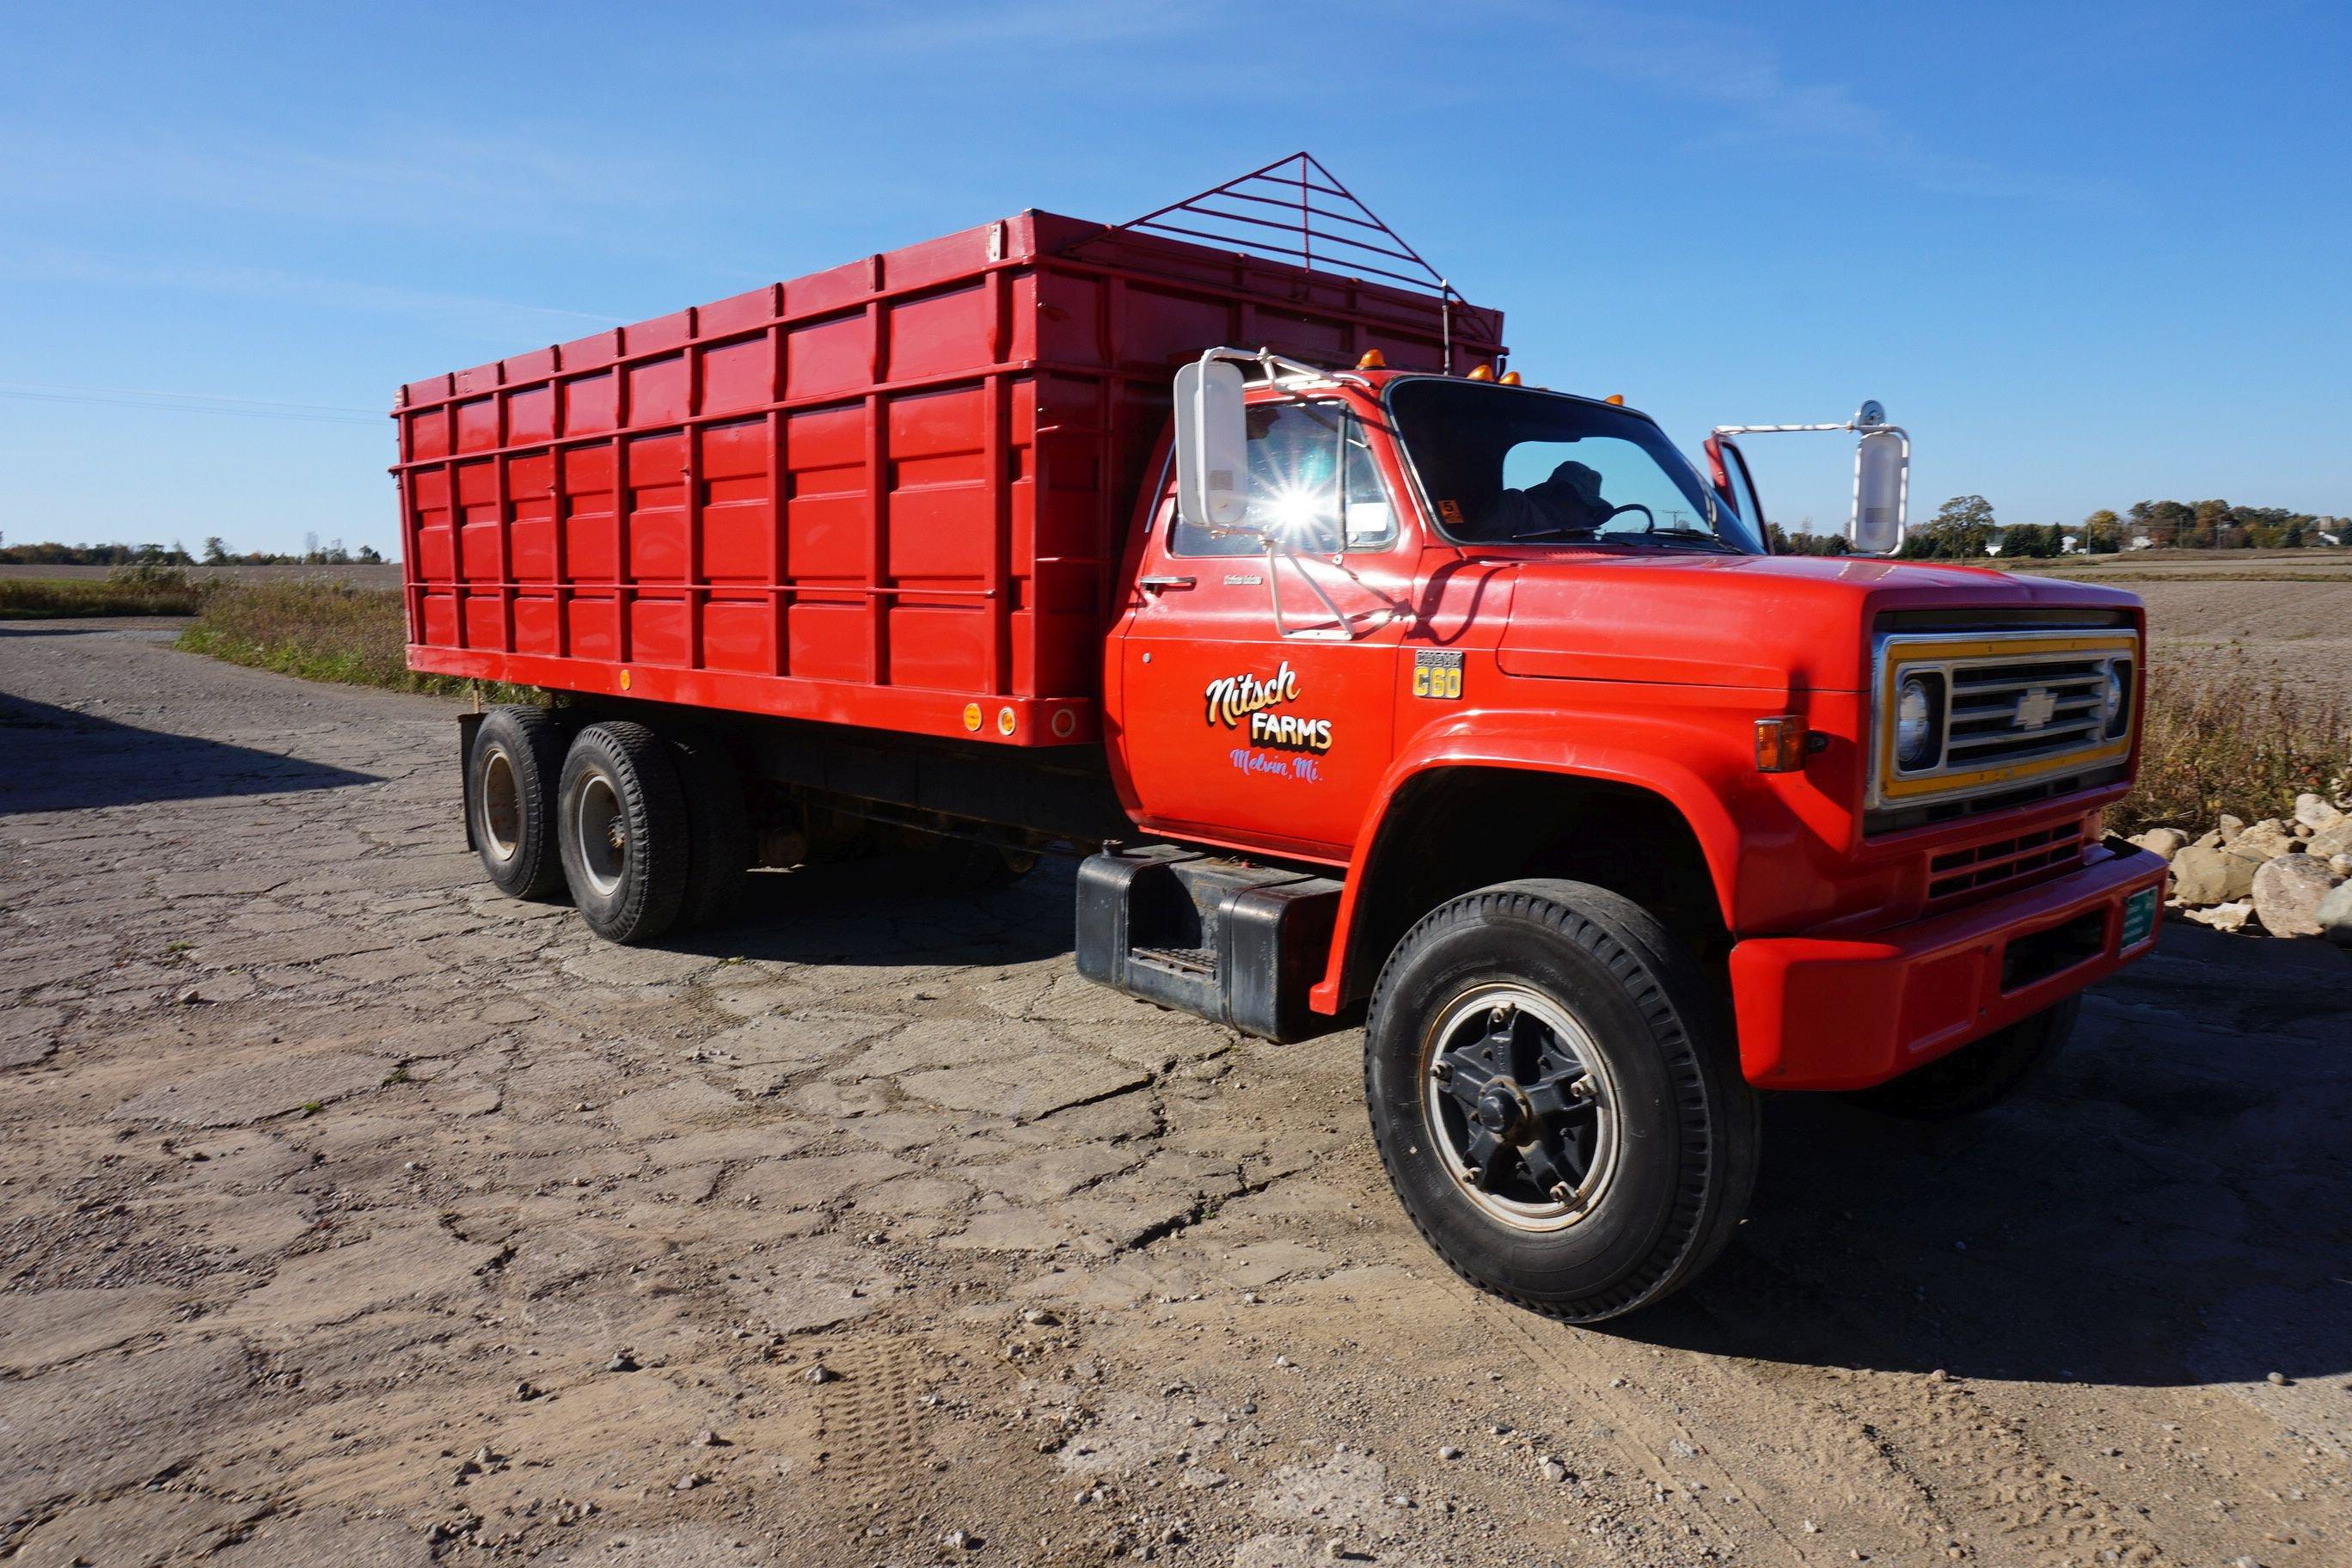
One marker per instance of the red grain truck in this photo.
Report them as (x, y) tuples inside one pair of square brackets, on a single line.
[(1370, 682)]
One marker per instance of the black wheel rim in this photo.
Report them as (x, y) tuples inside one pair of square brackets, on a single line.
[(1520, 1107)]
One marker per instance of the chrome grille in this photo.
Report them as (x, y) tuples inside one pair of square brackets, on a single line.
[(2010, 710), (2004, 713)]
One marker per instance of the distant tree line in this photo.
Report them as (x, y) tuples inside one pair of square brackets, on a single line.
[(1964, 528), (216, 553)]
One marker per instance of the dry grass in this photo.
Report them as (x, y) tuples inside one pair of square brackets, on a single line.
[(2247, 749), (124, 591), (323, 631)]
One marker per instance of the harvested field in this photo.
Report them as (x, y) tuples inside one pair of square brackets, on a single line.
[(2240, 615)]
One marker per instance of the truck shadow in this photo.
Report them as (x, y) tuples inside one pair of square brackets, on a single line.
[(881, 913), (56, 758), (2171, 1204)]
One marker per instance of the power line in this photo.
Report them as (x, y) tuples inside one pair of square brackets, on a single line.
[(183, 402)]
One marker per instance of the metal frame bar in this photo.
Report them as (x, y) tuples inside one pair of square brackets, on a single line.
[(1298, 177)]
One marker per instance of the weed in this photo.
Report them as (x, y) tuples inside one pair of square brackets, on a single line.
[(2246, 749), (313, 1107), (397, 1075), (125, 590), (323, 631)]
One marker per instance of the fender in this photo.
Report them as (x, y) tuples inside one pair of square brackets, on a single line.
[(1688, 760)]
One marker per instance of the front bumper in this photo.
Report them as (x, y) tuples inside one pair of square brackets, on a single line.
[(1848, 1012)]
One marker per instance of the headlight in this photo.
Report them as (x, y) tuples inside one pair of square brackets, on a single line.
[(1914, 723), (2113, 694)]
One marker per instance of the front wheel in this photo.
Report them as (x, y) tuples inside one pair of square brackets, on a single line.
[(1557, 1099), (1980, 1075)]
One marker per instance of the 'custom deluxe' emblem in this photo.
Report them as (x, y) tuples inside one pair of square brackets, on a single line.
[(2036, 707)]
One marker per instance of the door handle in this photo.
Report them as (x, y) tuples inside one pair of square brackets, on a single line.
[(1161, 585)]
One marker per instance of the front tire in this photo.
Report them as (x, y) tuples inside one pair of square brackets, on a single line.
[(1557, 1099), (621, 820), (515, 768), (1980, 1075)]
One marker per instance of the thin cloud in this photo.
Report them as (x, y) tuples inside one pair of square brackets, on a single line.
[(501, 182), (461, 312), (1768, 111), (1058, 24)]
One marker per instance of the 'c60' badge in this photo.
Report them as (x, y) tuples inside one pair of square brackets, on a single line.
[(1437, 674)]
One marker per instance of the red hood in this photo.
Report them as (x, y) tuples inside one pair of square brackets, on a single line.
[(1769, 621)]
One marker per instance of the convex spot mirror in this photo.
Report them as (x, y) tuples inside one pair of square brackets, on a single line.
[(1882, 486), (1212, 445)]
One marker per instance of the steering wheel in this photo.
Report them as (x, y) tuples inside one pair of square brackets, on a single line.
[(1583, 531)]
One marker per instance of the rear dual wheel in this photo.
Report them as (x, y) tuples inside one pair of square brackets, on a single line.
[(1557, 1099), (513, 773), (621, 818)]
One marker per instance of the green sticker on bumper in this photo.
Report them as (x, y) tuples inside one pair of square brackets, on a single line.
[(2139, 917)]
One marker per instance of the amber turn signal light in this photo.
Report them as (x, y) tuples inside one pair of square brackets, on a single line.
[(1780, 745), (1373, 360)]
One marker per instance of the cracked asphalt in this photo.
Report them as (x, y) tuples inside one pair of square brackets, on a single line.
[(352, 1214)]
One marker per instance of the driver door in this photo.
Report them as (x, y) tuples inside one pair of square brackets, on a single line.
[(1251, 713)]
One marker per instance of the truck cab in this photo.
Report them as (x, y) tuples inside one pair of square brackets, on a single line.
[(1455, 649)]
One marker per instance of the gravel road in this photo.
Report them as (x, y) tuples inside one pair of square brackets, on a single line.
[(354, 1215)]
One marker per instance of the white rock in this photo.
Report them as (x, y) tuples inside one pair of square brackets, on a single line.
[(2203, 876), (2264, 840), (2165, 841), (2334, 915), (2287, 894), (2224, 917), (2315, 813)]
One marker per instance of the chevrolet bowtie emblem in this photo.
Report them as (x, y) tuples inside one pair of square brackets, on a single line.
[(2035, 708)]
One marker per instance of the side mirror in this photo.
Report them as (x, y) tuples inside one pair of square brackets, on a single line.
[(1212, 445), (1881, 492)]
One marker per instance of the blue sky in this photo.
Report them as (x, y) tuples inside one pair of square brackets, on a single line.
[(2088, 254)]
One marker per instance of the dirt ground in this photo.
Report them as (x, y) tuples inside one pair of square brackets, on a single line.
[(354, 1215)]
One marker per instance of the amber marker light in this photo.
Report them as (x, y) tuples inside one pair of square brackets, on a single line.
[(1373, 360), (1510, 378), (1483, 372), (1780, 744), (1615, 400)]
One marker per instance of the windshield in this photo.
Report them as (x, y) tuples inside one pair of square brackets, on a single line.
[(1502, 465)]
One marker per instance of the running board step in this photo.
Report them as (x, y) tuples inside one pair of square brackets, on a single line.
[(1231, 941)]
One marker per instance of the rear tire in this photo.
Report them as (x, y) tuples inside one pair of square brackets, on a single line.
[(1622, 1143), (621, 821), (1980, 1075), (515, 770), (718, 830)]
